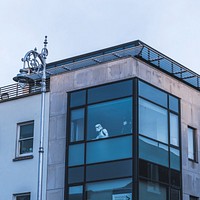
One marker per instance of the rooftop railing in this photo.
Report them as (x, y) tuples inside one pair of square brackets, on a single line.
[(13, 91)]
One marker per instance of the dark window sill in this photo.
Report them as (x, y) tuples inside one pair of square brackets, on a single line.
[(23, 158), (194, 161)]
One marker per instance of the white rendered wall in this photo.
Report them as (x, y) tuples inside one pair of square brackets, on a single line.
[(21, 176)]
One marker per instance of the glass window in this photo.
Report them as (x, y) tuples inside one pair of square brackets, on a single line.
[(173, 103), (153, 172), (174, 158), (25, 138), (153, 121), (109, 119), (111, 91), (174, 129), (153, 151), (110, 149), (151, 190), (78, 98), (76, 192), (24, 196), (109, 170), (192, 144), (107, 190), (76, 154), (77, 125), (175, 178), (75, 174), (174, 194), (152, 94)]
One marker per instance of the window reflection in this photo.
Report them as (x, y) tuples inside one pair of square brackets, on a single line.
[(109, 119), (153, 151), (107, 190), (153, 121), (77, 125), (174, 129), (110, 149), (76, 192)]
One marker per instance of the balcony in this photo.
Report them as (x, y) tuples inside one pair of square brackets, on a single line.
[(14, 91)]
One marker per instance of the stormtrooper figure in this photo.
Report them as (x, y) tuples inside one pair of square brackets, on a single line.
[(102, 132)]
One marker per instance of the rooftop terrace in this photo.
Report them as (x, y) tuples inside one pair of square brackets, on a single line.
[(136, 49)]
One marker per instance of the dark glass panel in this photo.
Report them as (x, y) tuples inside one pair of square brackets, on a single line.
[(26, 146), (174, 129), (77, 125), (23, 197), (109, 170), (26, 130), (109, 149), (75, 175), (174, 158), (110, 190), (174, 194), (153, 172), (153, 151), (151, 190), (109, 119), (78, 98), (173, 103), (111, 91), (76, 155), (153, 121), (152, 94), (175, 178), (76, 193)]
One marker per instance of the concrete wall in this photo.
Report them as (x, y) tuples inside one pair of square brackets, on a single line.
[(20, 176), (109, 72)]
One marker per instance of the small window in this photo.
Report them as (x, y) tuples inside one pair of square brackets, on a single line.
[(25, 138), (24, 196), (192, 144)]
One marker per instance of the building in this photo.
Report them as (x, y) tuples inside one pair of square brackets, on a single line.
[(19, 142), (124, 125), (121, 123)]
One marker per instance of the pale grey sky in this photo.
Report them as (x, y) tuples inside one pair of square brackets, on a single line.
[(75, 27)]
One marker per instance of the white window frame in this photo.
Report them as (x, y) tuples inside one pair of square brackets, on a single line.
[(19, 125), (27, 194)]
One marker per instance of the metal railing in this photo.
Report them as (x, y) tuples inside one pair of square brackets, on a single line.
[(13, 91)]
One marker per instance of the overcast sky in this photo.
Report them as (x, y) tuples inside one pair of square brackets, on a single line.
[(75, 27)]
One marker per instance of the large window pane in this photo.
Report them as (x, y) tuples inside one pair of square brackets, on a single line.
[(110, 190), (174, 130), (152, 94), (111, 91), (76, 154), (153, 121), (78, 98), (109, 149), (109, 170), (76, 193), (109, 119), (77, 125), (153, 151), (150, 190)]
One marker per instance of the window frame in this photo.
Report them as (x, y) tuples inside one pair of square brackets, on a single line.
[(195, 144), (18, 145), (26, 194)]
